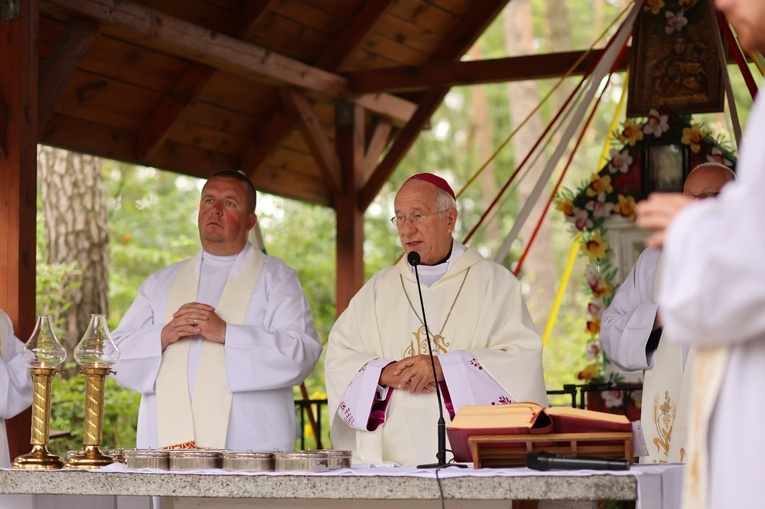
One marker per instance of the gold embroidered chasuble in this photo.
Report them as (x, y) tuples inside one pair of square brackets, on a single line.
[(489, 321)]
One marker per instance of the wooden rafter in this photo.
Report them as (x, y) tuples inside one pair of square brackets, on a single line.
[(528, 67), (267, 141), (282, 123), (458, 43), (353, 36), (3, 128), (157, 128), (378, 140), (60, 64), (321, 148), (146, 27)]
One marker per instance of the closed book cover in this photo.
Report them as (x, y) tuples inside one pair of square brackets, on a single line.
[(525, 418)]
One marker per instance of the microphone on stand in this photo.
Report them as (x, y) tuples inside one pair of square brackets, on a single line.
[(414, 260)]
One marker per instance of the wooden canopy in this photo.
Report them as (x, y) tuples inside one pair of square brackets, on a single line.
[(315, 100)]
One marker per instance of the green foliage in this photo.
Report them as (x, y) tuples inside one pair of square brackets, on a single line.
[(68, 414)]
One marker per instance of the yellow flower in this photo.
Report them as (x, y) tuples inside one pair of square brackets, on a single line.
[(566, 206), (599, 185), (595, 247), (318, 395), (653, 5), (593, 327), (632, 132), (626, 207), (693, 136), (687, 4), (588, 372), (603, 289)]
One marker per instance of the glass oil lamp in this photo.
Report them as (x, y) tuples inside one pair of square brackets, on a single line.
[(44, 355), (96, 353)]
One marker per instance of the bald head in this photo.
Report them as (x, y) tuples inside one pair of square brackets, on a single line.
[(706, 180)]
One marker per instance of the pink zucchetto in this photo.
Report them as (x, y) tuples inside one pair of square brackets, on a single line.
[(435, 180)]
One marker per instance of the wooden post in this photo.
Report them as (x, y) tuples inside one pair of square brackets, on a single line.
[(18, 181), (350, 217)]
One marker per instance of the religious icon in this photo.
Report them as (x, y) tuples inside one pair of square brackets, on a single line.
[(675, 60)]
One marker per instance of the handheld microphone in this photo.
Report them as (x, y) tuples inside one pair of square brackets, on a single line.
[(546, 461), (414, 260)]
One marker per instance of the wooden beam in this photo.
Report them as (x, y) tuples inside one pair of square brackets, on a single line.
[(267, 141), (476, 21), (118, 144), (18, 185), (155, 130), (346, 44), (60, 64), (252, 11), (350, 218), (401, 146), (377, 142), (313, 133), (528, 67), (148, 28)]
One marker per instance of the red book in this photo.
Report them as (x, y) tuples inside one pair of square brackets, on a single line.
[(525, 418)]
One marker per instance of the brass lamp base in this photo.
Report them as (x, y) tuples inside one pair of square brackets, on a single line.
[(91, 457), (38, 459)]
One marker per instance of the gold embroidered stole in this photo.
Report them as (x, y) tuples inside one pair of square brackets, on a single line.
[(664, 409), (204, 417), (711, 365)]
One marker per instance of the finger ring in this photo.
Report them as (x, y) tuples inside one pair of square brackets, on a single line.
[(195, 322)]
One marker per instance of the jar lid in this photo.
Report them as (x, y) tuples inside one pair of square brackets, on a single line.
[(146, 453), (301, 455), (195, 453), (247, 455), (333, 453)]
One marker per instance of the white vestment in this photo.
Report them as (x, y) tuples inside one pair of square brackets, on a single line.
[(713, 294), (274, 349), (489, 333), (625, 329), (15, 382)]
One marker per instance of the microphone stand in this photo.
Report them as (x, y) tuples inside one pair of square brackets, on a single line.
[(441, 454)]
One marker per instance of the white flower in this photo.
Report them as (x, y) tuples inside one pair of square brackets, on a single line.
[(657, 124), (595, 308), (620, 161), (612, 398), (581, 219), (674, 22), (718, 157), (593, 350), (599, 208)]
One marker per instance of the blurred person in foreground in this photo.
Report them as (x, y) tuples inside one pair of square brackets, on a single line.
[(215, 343), (15, 382), (380, 381), (631, 336), (713, 296)]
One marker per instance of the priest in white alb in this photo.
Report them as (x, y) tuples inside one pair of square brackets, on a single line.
[(631, 336), (15, 382), (215, 343), (380, 383)]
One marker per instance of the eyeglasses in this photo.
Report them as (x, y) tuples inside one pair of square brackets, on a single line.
[(703, 196), (399, 221)]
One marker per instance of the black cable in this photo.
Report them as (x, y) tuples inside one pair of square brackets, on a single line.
[(440, 490)]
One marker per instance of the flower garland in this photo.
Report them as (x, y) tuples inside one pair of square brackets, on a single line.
[(613, 191)]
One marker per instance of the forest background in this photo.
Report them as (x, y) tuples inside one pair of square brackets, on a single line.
[(104, 226)]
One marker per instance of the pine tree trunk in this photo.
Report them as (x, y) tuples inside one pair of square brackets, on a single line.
[(76, 231)]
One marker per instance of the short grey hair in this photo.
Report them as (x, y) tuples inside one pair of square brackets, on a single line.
[(444, 202)]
